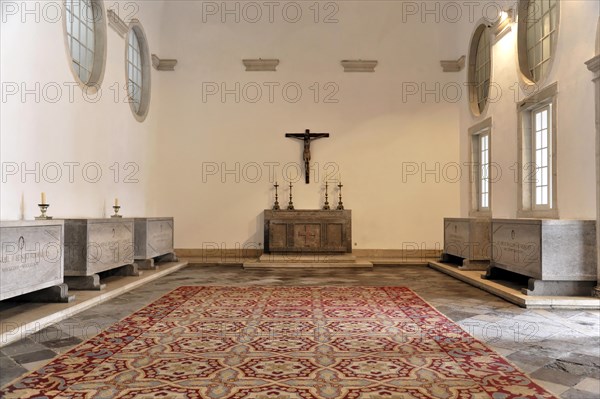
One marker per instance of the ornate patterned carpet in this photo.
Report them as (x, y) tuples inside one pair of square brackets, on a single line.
[(281, 343)]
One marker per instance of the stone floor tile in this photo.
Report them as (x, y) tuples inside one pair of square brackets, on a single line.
[(34, 356), (556, 376), (554, 388), (25, 345), (529, 358), (589, 385), (10, 370), (61, 343), (33, 366), (577, 394)]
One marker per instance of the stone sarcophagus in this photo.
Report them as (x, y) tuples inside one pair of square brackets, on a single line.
[(308, 231), (32, 260), (97, 245), (469, 239), (153, 239), (559, 256)]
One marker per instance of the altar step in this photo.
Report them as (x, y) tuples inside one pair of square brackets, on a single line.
[(271, 261)]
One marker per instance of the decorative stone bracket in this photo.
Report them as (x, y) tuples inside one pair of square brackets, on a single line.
[(453, 66), (504, 24), (359, 65), (261, 65), (163, 64), (118, 25)]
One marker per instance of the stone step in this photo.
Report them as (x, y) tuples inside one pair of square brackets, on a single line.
[(307, 265), (308, 258)]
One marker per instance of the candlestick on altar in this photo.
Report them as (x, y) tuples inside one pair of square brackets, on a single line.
[(326, 205), (340, 203), (43, 209), (116, 208), (290, 204), (276, 204)]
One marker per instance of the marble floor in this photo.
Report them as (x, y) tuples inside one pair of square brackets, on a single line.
[(560, 349)]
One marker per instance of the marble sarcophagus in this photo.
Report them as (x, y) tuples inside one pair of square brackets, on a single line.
[(32, 260), (469, 239), (154, 238), (559, 256), (97, 245)]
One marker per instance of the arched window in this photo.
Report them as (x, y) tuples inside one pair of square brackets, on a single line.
[(538, 24), (138, 71), (85, 30), (480, 67)]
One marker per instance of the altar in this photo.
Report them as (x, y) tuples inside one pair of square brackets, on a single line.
[(308, 231), (307, 238)]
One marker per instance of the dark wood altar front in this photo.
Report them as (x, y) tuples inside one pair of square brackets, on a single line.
[(308, 231)]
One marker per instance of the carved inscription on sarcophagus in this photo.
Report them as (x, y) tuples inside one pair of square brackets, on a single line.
[(31, 257)]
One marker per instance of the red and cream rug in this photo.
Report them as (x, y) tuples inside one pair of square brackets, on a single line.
[(281, 343)]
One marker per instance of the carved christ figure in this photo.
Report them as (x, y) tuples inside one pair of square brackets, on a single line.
[(307, 137)]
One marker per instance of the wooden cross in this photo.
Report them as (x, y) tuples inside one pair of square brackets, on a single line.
[(307, 137)]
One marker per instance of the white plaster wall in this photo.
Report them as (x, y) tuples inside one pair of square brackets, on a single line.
[(373, 130), (56, 129), (575, 115)]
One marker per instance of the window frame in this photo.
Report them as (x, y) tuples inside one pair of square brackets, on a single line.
[(527, 170), (475, 102), (535, 148), (140, 112), (476, 132), (92, 85), (525, 74)]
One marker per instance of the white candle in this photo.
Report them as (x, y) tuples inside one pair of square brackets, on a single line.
[(43, 198), (116, 202)]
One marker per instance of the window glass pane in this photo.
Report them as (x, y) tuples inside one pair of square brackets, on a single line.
[(541, 28), (84, 75), (482, 69), (541, 153), (546, 24), (546, 48), (545, 139), (81, 37), (134, 70), (544, 199), (76, 24), (90, 39)]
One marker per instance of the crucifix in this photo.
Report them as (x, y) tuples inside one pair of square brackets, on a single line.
[(307, 137)]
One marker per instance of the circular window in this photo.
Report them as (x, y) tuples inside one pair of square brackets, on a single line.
[(85, 30), (138, 71), (480, 67), (538, 23)]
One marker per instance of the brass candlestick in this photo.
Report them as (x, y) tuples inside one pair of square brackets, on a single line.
[(116, 215), (340, 203), (326, 205), (276, 204), (290, 204), (43, 209)]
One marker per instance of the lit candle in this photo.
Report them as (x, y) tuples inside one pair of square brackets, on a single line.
[(116, 202), (43, 198)]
